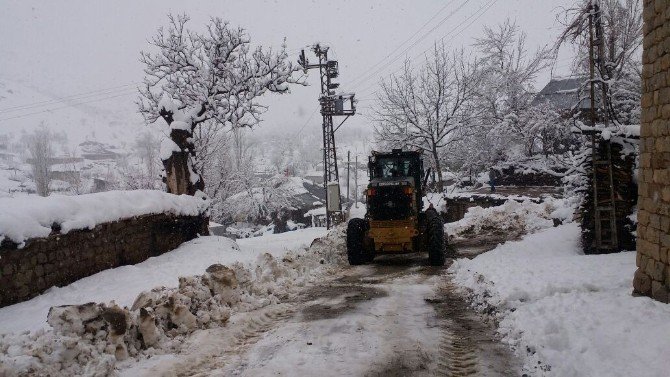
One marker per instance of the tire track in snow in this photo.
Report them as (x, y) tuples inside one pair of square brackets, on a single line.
[(469, 346), (245, 334), (458, 357), (384, 295)]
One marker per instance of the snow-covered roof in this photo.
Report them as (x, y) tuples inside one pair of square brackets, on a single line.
[(320, 211), (562, 94), (28, 217)]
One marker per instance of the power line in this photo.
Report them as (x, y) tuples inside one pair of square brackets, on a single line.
[(404, 42), (93, 93), (475, 16), (64, 107), (307, 122), (442, 21)]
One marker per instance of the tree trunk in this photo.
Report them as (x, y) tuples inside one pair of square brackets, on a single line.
[(178, 175)]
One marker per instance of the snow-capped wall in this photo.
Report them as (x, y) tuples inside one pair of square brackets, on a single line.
[(90, 233), (32, 217)]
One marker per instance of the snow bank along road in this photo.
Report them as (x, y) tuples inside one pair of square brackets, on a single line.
[(395, 317), (123, 284)]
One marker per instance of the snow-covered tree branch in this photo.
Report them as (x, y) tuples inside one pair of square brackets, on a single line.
[(194, 79)]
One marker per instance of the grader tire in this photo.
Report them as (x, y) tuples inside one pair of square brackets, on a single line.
[(356, 252), (435, 239)]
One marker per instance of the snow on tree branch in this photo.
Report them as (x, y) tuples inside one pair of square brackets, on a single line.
[(194, 77)]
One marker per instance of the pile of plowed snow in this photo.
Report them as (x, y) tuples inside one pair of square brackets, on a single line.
[(510, 220), (89, 339)]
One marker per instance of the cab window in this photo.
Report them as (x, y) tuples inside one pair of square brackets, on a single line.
[(393, 167)]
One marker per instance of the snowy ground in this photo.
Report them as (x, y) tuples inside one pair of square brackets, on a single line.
[(569, 314), (306, 312), (123, 284)]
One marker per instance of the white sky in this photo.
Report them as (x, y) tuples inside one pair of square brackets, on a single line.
[(69, 47)]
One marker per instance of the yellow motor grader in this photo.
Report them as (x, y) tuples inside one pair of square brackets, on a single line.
[(395, 221)]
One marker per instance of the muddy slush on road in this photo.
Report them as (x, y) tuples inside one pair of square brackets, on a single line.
[(395, 317)]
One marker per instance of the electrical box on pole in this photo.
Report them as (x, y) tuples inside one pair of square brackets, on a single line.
[(333, 197), (332, 104)]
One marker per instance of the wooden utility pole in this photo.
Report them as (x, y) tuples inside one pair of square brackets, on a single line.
[(604, 199)]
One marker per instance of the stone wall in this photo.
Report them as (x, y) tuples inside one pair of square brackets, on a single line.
[(652, 278), (61, 259), (521, 176)]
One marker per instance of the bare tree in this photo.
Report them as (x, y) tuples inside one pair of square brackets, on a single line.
[(430, 109), (147, 147), (41, 154), (73, 174), (196, 79), (508, 71)]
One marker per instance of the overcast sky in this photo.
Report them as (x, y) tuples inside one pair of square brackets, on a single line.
[(69, 47)]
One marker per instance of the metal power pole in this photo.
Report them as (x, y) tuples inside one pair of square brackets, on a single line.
[(332, 104), (348, 168), (356, 182)]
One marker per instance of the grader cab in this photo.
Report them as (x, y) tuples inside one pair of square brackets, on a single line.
[(395, 222)]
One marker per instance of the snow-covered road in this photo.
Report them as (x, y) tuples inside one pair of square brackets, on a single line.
[(395, 317)]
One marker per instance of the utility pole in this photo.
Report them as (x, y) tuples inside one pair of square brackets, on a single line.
[(356, 182), (604, 195), (348, 168), (592, 69), (331, 105)]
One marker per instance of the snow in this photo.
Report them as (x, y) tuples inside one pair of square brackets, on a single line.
[(350, 344), (22, 218), (357, 211), (511, 219), (166, 103), (167, 147), (319, 211), (180, 125), (123, 284), (101, 338), (568, 314), (606, 134)]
